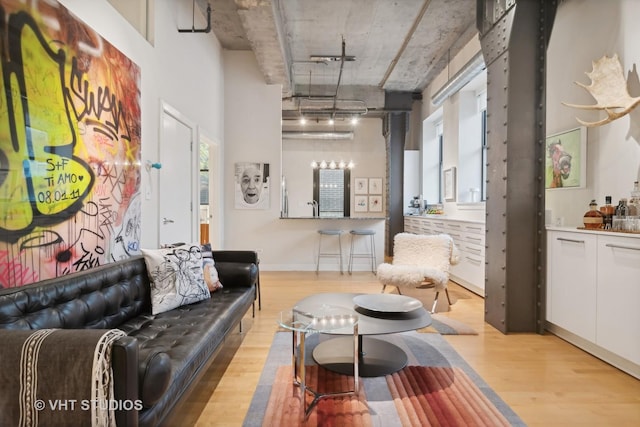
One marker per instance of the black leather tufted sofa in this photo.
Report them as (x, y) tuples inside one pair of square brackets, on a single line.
[(162, 355)]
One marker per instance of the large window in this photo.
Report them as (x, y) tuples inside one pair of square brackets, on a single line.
[(432, 160), (483, 195)]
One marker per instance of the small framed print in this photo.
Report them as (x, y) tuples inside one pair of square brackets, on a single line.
[(375, 203), (361, 186), (360, 203), (375, 185), (450, 184)]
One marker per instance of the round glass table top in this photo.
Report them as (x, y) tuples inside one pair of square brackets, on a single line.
[(321, 318)]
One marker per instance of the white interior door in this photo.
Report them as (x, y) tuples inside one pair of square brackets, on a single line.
[(177, 192)]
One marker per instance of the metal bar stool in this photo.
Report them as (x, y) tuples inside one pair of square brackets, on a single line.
[(329, 254), (369, 255)]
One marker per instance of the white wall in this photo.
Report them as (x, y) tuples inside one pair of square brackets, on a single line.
[(366, 150), (184, 70), (253, 133), (590, 29)]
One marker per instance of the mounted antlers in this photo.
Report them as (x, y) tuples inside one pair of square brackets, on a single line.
[(609, 88)]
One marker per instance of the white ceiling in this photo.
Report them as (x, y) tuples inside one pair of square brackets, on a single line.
[(398, 45)]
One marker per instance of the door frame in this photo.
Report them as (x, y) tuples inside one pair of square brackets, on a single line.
[(167, 110), (216, 206)]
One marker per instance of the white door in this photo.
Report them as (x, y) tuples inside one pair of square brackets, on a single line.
[(177, 192)]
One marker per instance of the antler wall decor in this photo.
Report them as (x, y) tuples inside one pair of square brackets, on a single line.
[(609, 88)]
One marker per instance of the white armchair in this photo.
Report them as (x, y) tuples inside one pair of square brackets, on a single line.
[(418, 258)]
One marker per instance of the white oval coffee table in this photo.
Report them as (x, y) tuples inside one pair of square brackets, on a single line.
[(376, 357)]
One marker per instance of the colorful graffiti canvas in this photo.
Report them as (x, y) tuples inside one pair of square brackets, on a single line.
[(69, 145)]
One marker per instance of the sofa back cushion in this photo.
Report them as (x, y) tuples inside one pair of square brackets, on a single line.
[(99, 298)]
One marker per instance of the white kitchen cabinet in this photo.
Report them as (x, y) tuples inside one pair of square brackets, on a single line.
[(618, 304), (571, 268), (593, 293), (469, 237)]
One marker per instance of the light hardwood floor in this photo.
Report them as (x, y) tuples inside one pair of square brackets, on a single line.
[(547, 381)]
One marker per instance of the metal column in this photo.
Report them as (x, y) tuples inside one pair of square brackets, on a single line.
[(514, 37)]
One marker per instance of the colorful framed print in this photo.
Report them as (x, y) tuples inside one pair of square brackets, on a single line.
[(566, 159)]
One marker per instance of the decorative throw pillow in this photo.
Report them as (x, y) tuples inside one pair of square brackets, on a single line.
[(176, 277), (208, 266)]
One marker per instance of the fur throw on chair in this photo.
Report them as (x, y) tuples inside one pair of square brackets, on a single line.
[(417, 258)]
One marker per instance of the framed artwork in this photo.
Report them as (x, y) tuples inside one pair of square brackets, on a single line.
[(450, 184), (375, 203), (361, 186), (70, 144), (375, 185), (361, 204), (566, 159), (252, 185)]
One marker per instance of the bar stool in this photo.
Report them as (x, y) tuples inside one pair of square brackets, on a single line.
[(321, 254), (369, 255)]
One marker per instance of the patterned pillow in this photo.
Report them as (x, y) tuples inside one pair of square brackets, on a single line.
[(210, 272), (176, 277)]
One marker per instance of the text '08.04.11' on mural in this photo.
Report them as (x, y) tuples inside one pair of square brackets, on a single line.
[(69, 146)]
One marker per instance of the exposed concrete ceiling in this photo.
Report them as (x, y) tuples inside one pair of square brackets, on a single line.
[(398, 45)]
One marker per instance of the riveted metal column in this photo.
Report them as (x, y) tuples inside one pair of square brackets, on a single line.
[(514, 38), (395, 135)]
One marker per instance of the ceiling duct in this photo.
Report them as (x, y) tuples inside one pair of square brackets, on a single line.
[(335, 135), (327, 105), (470, 70)]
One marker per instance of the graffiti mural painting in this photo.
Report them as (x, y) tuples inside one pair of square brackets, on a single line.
[(69, 145)]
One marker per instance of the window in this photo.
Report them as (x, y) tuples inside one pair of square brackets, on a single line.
[(483, 195), (471, 145), (432, 160)]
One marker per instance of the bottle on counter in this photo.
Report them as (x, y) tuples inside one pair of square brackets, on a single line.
[(607, 211), (593, 219), (622, 210), (634, 201)]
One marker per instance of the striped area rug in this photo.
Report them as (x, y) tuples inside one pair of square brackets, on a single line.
[(428, 396), (423, 396), (285, 407), (437, 388)]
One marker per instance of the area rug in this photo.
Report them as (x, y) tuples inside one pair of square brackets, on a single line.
[(447, 326), (436, 388)]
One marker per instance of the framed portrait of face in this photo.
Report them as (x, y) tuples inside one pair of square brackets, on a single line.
[(566, 160), (252, 185)]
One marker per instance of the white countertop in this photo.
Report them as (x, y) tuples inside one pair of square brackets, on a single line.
[(381, 218), (598, 232)]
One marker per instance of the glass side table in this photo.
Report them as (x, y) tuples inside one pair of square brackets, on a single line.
[(323, 318)]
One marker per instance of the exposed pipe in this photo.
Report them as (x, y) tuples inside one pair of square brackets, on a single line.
[(193, 20), (335, 96), (470, 70)]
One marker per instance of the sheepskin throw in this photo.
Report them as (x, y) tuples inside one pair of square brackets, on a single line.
[(418, 257)]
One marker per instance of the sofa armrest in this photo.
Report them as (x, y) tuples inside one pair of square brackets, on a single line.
[(237, 274), (124, 361)]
